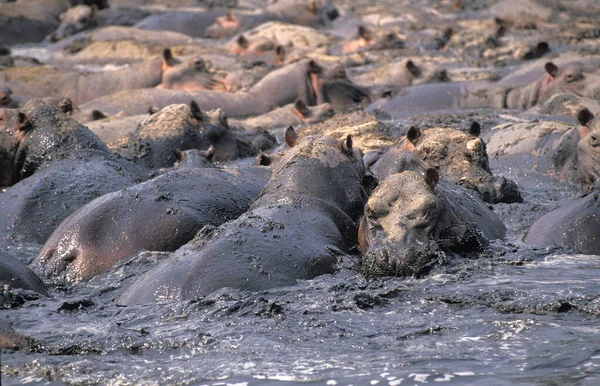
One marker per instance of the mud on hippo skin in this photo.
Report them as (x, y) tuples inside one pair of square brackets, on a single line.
[(369, 39), (575, 226), (258, 50), (194, 158), (588, 149), (161, 214), (411, 222), (458, 156), (305, 217), (16, 275)]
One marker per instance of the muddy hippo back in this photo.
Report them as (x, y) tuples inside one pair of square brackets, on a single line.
[(305, 217), (574, 226), (160, 215)]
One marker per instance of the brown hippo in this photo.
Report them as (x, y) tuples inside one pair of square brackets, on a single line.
[(411, 221), (161, 214), (588, 149), (194, 158), (575, 226), (458, 156), (166, 72), (305, 217), (25, 21), (305, 80), (54, 165), (480, 94), (303, 12), (369, 39), (294, 114)]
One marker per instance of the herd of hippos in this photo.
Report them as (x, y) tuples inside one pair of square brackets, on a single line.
[(98, 165)]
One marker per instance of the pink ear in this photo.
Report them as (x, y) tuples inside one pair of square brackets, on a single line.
[(291, 137)]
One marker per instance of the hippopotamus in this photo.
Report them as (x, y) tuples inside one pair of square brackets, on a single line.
[(460, 157), (305, 80), (7, 101), (161, 214), (413, 219), (369, 39), (11, 339), (293, 114), (83, 17), (194, 158), (54, 165), (588, 149), (302, 12), (575, 226), (305, 217), (15, 274), (259, 50), (483, 94), (165, 72), (190, 21), (29, 20)]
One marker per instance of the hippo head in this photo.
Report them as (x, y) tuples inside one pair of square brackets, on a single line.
[(224, 26), (6, 99), (194, 158), (368, 39), (424, 73), (588, 148), (399, 225), (75, 19), (312, 114), (259, 50), (331, 85), (462, 158), (188, 74)]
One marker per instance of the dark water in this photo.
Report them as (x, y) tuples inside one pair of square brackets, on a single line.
[(514, 316)]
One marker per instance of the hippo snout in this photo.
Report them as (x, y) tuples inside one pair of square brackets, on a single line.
[(411, 260)]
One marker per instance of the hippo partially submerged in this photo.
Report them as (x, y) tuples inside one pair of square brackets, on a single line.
[(161, 214), (411, 221), (305, 217), (458, 156)]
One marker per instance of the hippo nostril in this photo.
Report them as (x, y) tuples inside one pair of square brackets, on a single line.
[(333, 14)]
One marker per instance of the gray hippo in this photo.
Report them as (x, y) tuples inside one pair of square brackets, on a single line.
[(190, 21), (372, 39), (161, 214), (588, 149), (458, 156), (25, 21), (293, 114), (15, 274), (166, 72), (54, 165), (194, 158), (575, 226), (412, 220), (305, 80), (305, 217), (481, 94)]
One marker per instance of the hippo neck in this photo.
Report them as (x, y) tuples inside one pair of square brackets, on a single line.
[(285, 85), (148, 73)]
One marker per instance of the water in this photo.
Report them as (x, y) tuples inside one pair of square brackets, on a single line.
[(515, 316)]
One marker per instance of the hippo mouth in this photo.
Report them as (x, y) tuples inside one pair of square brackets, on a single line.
[(411, 261)]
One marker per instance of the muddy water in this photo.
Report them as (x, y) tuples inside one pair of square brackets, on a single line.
[(516, 315)]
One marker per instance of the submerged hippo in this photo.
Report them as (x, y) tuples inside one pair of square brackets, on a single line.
[(194, 158), (480, 94), (305, 80), (166, 72), (15, 274), (305, 217), (575, 226), (294, 114), (54, 165), (458, 156), (369, 39), (161, 214), (411, 220)]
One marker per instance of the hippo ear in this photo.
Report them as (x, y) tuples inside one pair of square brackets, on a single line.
[(195, 111), (65, 105), (209, 153), (314, 68), (542, 48), (23, 123), (551, 69), (94, 13), (280, 52), (291, 137), (432, 176), (223, 119), (412, 68), (168, 58), (262, 159), (301, 108), (585, 116), (369, 183), (364, 32), (413, 134), (179, 155), (153, 109), (97, 115), (347, 144), (475, 129), (312, 7), (243, 42)]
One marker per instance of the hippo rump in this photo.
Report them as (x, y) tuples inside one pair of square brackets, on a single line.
[(16, 275), (575, 226), (571, 78), (165, 72), (161, 214), (53, 165), (412, 220), (305, 217), (458, 156), (305, 80)]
